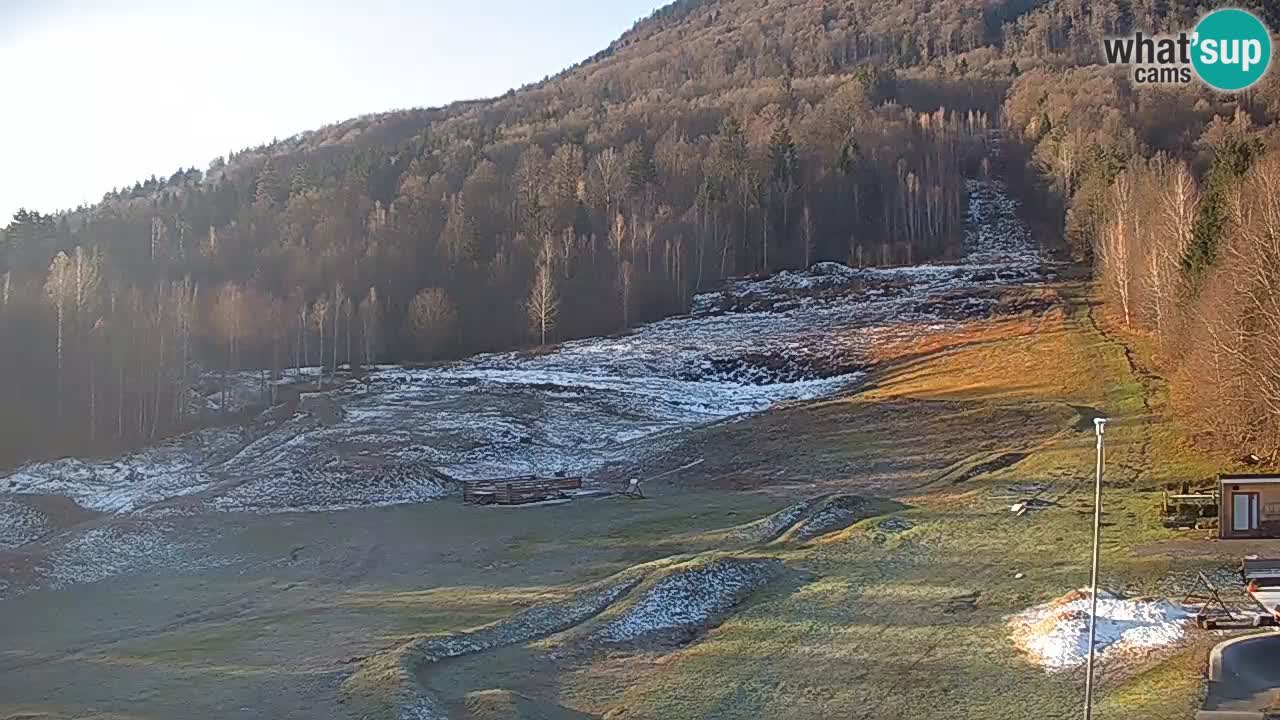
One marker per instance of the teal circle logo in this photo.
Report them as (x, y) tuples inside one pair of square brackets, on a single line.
[(1231, 49)]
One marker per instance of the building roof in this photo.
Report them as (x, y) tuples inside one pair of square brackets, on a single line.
[(1249, 479)]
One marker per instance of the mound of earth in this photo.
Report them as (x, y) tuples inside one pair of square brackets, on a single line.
[(990, 465), (688, 599), (837, 513), (784, 291), (791, 365), (339, 484), (119, 547), (126, 548), (772, 527), (175, 468), (392, 677), (536, 622), (1055, 635), (815, 517), (506, 705)]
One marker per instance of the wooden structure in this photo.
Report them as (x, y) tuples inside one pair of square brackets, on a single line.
[(1212, 609), (1190, 510), (1248, 506), (520, 490)]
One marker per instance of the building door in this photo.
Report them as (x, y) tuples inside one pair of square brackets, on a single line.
[(1244, 511)]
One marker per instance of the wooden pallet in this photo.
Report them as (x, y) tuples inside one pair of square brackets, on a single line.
[(518, 490)]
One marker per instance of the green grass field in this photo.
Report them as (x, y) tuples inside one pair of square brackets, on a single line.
[(867, 625), (321, 614)]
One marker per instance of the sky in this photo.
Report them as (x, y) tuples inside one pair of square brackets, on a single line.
[(96, 94)]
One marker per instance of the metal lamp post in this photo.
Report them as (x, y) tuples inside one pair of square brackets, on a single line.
[(1101, 425)]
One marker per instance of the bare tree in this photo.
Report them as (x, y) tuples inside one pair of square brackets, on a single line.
[(60, 290), (1117, 241), (96, 333), (320, 316), (339, 300), (228, 319), (544, 302), (184, 313), (304, 324), (608, 179), (369, 316), (618, 241), (807, 223), (431, 320), (1179, 203), (1254, 267), (348, 309)]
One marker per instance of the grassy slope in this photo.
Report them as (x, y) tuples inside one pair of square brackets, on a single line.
[(865, 628), (871, 637)]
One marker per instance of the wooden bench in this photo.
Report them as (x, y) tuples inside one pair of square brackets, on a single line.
[(517, 490)]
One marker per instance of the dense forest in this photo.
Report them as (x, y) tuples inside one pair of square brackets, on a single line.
[(716, 138)]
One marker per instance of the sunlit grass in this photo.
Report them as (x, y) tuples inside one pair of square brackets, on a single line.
[(872, 636)]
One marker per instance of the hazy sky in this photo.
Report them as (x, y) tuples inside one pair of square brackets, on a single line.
[(101, 93)]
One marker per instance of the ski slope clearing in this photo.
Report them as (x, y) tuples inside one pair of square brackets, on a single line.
[(580, 408), (585, 407)]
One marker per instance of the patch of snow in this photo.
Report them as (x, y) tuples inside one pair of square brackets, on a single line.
[(689, 599), (335, 486), (422, 707), (116, 550), (20, 524), (769, 528), (130, 482), (895, 525), (1056, 635), (835, 514)]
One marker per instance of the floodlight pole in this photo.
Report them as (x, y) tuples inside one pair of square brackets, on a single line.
[(1101, 425)]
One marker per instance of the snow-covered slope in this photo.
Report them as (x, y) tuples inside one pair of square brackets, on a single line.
[(752, 344)]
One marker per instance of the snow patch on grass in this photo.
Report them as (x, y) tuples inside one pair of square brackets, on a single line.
[(536, 622), (395, 674), (20, 524), (836, 513), (337, 485), (1055, 635), (422, 707), (690, 599), (130, 482), (771, 527), (117, 550)]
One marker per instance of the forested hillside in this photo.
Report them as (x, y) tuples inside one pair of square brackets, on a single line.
[(715, 138)]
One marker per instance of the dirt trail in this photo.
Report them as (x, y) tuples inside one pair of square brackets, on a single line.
[(1141, 467)]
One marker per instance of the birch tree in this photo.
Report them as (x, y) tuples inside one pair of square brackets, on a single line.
[(59, 288), (1179, 204), (544, 302), (320, 316), (1117, 243), (431, 320), (339, 299), (369, 325)]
